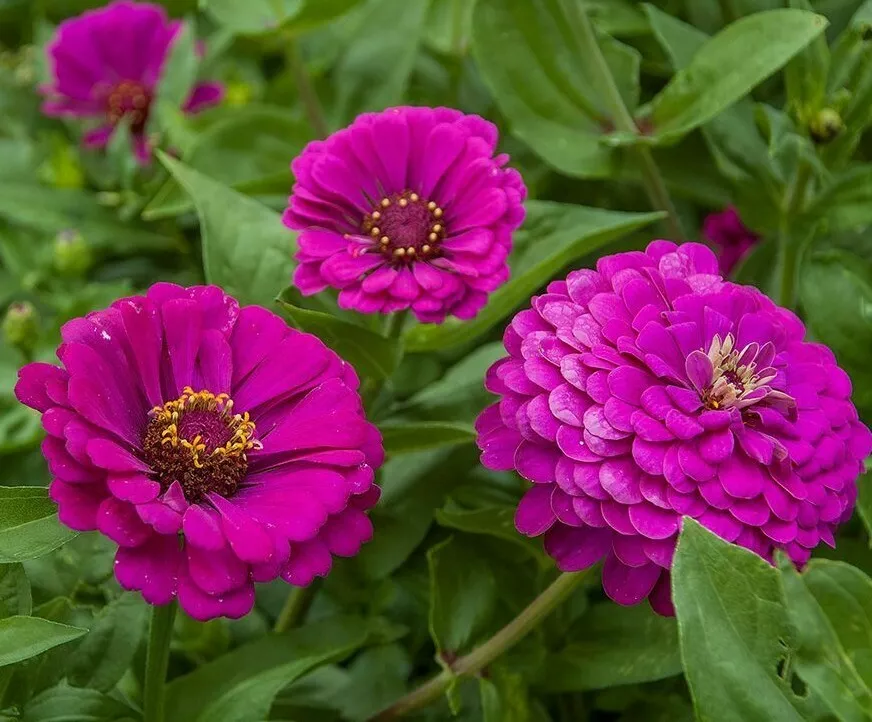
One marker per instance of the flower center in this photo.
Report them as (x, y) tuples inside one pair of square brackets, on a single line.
[(406, 227), (131, 99), (198, 441), (736, 378)]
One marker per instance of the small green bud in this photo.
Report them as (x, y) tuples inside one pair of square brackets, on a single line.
[(21, 326), (826, 125), (237, 93), (72, 256)]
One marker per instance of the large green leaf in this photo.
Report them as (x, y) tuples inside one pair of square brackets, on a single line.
[(262, 16), (250, 150), (728, 67), (529, 59), (495, 521), (241, 686), (505, 697), (612, 645), (733, 629), (805, 76), (554, 235), (15, 597), (847, 203), (402, 438), (246, 249), (25, 637), (179, 71), (463, 594), (70, 704), (828, 605), (374, 356), (103, 657), (29, 526)]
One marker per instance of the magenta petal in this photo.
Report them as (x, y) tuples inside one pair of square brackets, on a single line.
[(247, 538), (577, 548), (653, 522), (216, 571), (152, 568), (628, 585), (202, 527), (307, 561), (699, 369), (534, 515), (134, 488), (203, 607)]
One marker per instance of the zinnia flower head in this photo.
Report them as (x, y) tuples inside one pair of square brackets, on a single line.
[(733, 240), (216, 446), (106, 64), (408, 208), (650, 389)]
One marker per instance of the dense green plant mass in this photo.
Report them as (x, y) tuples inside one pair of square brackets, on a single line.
[(628, 121)]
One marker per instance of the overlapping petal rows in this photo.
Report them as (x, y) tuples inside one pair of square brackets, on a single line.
[(650, 389), (106, 64), (408, 208), (287, 490)]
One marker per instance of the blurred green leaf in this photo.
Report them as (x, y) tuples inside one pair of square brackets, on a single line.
[(25, 637), (375, 679), (15, 598), (29, 526), (374, 356), (260, 16), (463, 595), (401, 438), (727, 68), (104, 656), (498, 522), (612, 645), (621, 18), (246, 249), (733, 629), (846, 204), (179, 72), (69, 704), (529, 61), (505, 697), (250, 150), (554, 235), (241, 685), (805, 76), (822, 660)]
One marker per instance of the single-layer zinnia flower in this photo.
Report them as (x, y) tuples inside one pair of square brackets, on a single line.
[(106, 63), (408, 208), (216, 446), (732, 240), (650, 389)]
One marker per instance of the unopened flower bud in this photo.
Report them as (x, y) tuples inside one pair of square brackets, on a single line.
[(72, 256), (21, 325), (826, 125)]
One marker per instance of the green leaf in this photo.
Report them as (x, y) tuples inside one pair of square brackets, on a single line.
[(864, 502), (15, 597), (246, 249), (612, 645), (376, 678), (261, 16), (240, 686), (69, 704), (179, 72), (821, 662), (249, 150), (733, 630), (621, 18), (374, 356), (805, 77), (463, 595), (529, 60), (495, 521), (29, 526), (25, 637), (847, 203), (401, 438), (504, 696), (103, 657), (554, 236), (836, 296), (728, 67)]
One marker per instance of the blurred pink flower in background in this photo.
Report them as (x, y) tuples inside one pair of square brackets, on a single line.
[(732, 240)]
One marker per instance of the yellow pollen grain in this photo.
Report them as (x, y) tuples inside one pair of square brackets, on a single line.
[(437, 227), (433, 237), (403, 202), (375, 232), (376, 215), (414, 197), (410, 251), (399, 252), (437, 212), (385, 240), (431, 206), (385, 202), (425, 248)]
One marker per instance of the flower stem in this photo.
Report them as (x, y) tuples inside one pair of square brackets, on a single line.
[(296, 607), (790, 246), (593, 58), (308, 97), (482, 656), (157, 660)]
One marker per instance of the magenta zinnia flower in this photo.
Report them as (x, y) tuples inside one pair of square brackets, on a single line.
[(216, 446), (650, 389), (732, 239), (106, 64), (408, 208)]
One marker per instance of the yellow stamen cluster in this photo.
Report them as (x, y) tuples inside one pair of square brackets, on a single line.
[(128, 98), (240, 425), (385, 243), (732, 381)]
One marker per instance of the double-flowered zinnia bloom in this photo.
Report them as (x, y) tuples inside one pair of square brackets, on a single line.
[(731, 238), (408, 208), (106, 64), (216, 446), (650, 389)]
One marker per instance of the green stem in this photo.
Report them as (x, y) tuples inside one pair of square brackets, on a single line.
[(308, 97), (593, 58), (790, 247), (458, 8), (482, 656), (157, 660), (296, 607)]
